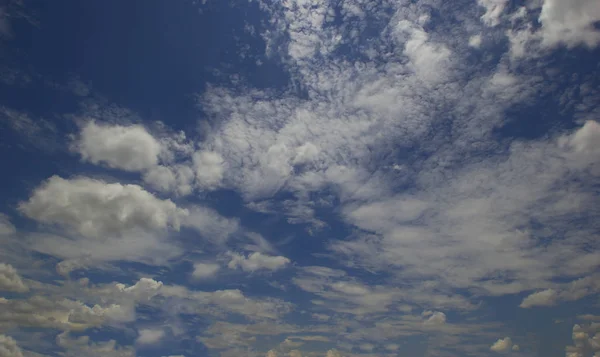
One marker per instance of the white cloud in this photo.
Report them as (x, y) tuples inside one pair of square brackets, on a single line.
[(210, 224), (97, 208), (435, 318), (493, 11), (586, 340), (502, 345), (546, 297), (61, 313), (586, 140), (475, 41), (209, 169), (205, 270), (84, 346), (150, 336), (257, 261), (570, 23), (10, 279), (176, 179), (571, 291), (103, 221), (129, 148), (9, 347)]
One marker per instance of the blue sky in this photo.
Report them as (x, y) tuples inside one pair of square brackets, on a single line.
[(299, 178)]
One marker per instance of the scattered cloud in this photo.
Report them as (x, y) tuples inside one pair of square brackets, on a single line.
[(502, 345), (205, 270), (10, 279), (9, 347), (130, 148), (150, 336), (257, 261)]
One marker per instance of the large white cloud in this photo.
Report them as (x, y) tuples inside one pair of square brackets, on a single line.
[(97, 208), (10, 279), (130, 148), (570, 22)]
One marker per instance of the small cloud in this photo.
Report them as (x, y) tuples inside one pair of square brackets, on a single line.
[(475, 41), (257, 261), (541, 298), (10, 279), (502, 345), (434, 318), (205, 270), (149, 336)]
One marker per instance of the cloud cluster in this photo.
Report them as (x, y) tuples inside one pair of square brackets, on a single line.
[(10, 279)]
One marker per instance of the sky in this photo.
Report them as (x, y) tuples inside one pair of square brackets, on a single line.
[(317, 178)]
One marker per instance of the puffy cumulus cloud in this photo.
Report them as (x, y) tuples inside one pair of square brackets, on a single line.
[(10, 279), (257, 261), (60, 313), (102, 222), (96, 208), (9, 347), (150, 336), (208, 167), (434, 318), (586, 340), (84, 346), (333, 353), (176, 179), (502, 345), (475, 41), (143, 290), (271, 353), (570, 23), (546, 297), (571, 291), (130, 148), (205, 270)]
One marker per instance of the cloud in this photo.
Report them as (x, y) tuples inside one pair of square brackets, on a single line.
[(129, 148), (475, 41), (84, 346), (570, 23), (571, 291), (205, 270), (585, 340), (502, 345), (10, 279), (60, 313), (257, 261), (208, 167), (435, 318), (150, 336), (546, 297), (176, 179), (210, 224), (96, 208), (6, 227), (493, 11), (9, 347)]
